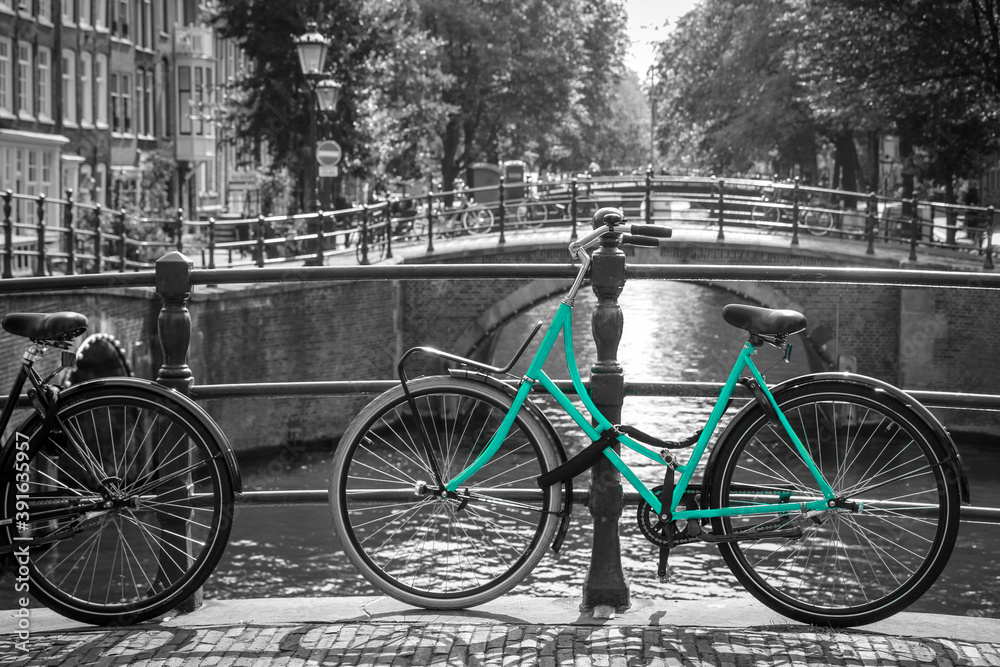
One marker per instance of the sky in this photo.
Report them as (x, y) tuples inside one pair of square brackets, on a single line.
[(646, 19)]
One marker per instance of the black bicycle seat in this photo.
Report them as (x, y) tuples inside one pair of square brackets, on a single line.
[(61, 326), (765, 321)]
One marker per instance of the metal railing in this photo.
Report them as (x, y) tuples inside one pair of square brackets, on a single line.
[(48, 236)]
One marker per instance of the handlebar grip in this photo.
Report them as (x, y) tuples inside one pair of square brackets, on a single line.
[(629, 239), (652, 230)]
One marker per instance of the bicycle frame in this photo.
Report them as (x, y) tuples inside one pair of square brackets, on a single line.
[(535, 376)]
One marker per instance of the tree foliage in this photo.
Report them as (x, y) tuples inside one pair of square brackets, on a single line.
[(434, 85)]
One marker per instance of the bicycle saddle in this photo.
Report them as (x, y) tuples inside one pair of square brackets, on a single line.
[(765, 321), (61, 326)]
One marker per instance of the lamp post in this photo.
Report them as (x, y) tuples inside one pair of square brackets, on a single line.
[(312, 47)]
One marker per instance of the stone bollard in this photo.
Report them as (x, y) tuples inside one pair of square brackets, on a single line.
[(605, 585), (173, 285)]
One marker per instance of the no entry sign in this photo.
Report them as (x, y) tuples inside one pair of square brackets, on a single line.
[(328, 152)]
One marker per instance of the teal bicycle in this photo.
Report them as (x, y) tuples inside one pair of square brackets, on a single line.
[(833, 497)]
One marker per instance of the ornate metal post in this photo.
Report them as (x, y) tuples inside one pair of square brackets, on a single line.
[(870, 221), (649, 195), (795, 213), (180, 230), (259, 248), (211, 242), (8, 234), (388, 233), (173, 285), (605, 583), (122, 239), (40, 264), (722, 210), (572, 207), (98, 241), (914, 229), (70, 233), (364, 235), (988, 262), (501, 209), (320, 252), (430, 221)]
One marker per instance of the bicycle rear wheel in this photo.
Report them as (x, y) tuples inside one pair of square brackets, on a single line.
[(139, 542), (819, 223), (477, 220), (418, 545), (849, 567)]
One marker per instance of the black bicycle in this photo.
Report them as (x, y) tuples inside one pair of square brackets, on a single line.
[(117, 493)]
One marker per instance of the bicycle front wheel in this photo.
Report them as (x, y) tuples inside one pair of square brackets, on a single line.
[(128, 502), (853, 564), (819, 222), (407, 536)]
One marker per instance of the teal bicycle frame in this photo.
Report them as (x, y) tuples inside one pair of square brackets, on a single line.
[(535, 376)]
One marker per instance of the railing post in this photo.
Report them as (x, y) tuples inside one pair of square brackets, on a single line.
[(988, 262), (649, 195), (173, 285), (870, 221), (605, 583), (180, 230), (259, 248), (795, 213), (364, 234), (430, 221), (388, 232), (8, 234), (211, 242), (914, 229), (70, 234), (122, 250), (40, 265), (98, 241), (721, 215), (500, 209), (572, 207), (320, 250)]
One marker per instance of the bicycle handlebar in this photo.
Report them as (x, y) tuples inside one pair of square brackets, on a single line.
[(612, 220)]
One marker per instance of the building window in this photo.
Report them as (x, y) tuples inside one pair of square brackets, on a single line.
[(69, 86), (6, 80), (45, 11), (87, 88), (100, 14), (147, 105), (44, 83), (125, 92), (24, 80), (140, 99), (85, 9), (101, 88), (121, 19), (67, 12), (116, 113), (184, 98), (6, 6)]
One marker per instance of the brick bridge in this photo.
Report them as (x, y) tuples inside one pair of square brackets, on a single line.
[(916, 338)]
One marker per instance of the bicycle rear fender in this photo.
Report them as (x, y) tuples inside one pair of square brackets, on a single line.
[(862, 381), (196, 410), (540, 417)]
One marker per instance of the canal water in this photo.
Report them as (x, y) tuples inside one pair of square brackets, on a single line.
[(673, 331)]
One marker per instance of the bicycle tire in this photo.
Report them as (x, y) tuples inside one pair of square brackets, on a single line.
[(124, 565), (765, 217), (530, 215), (848, 568), (458, 553), (819, 222), (477, 220)]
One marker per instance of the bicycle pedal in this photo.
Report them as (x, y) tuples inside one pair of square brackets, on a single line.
[(665, 577)]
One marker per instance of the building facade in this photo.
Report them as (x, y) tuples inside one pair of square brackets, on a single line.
[(94, 94)]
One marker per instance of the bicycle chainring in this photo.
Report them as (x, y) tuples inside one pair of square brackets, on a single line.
[(655, 530)]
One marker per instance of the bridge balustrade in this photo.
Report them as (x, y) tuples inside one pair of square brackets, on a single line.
[(49, 236), (174, 279)]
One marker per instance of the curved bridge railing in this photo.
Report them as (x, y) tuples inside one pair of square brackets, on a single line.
[(62, 236)]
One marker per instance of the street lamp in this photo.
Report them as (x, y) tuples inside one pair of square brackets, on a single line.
[(312, 47)]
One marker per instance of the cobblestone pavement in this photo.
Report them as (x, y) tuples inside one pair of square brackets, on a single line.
[(407, 644)]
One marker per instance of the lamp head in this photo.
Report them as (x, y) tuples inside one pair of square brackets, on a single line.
[(311, 47), (327, 92)]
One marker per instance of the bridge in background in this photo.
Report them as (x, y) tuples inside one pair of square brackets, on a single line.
[(51, 236)]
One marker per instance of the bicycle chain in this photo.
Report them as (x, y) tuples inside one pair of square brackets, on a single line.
[(653, 529)]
